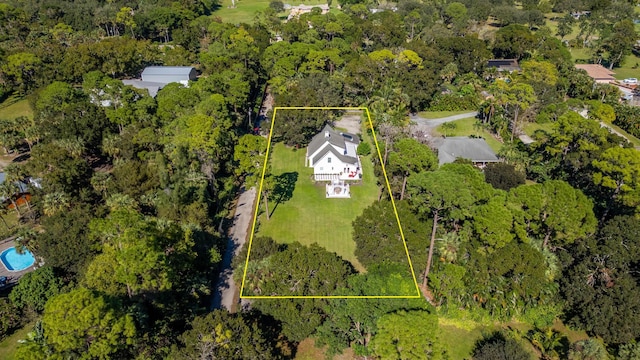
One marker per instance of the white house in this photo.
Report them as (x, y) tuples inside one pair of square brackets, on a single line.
[(332, 155)]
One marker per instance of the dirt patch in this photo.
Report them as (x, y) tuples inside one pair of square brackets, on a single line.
[(308, 351), (350, 122)]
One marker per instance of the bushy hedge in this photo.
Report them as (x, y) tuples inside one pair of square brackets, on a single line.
[(453, 102)]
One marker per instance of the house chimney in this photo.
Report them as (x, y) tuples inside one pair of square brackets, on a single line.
[(326, 134)]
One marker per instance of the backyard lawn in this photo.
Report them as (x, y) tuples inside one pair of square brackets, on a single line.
[(245, 10), (308, 217), (465, 127), (9, 345), (11, 109)]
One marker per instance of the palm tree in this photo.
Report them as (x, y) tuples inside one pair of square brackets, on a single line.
[(54, 203), (547, 341), (3, 212), (7, 190), (26, 239), (16, 175), (448, 247)]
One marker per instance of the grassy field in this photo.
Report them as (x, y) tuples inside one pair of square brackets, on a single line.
[(627, 69), (8, 346), (634, 140), (465, 127), (246, 10), (460, 342), (11, 220), (12, 108), (531, 128), (308, 217), (440, 114)]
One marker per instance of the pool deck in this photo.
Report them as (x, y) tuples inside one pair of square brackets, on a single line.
[(12, 276)]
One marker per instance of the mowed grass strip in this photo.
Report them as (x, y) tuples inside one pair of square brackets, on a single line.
[(12, 109), (441, 114), (308, 217)]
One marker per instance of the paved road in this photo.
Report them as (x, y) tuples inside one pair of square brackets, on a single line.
[(226, 288), (433, 123)]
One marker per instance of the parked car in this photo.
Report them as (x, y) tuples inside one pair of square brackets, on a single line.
[(630, 81)]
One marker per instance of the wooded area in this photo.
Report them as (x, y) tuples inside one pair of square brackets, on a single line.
[(137, 192)]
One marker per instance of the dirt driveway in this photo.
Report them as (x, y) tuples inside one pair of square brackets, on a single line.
[(350, 122)]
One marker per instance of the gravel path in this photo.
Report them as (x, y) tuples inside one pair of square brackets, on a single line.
[(226, 289)]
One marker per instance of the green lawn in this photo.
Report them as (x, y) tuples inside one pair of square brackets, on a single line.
[(8, 346), (11, 109), (246, 10), (10, 229), (464, 127), (308, 217), (531, 128), (440, 114), (626, 70), (460, 342), (634, 140)]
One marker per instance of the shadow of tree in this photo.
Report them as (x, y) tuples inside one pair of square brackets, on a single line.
[(284, 184)]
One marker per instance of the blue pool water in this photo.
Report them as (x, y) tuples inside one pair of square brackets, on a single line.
[(16, 262)]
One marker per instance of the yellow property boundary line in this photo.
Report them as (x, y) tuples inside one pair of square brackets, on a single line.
[(386, 179)]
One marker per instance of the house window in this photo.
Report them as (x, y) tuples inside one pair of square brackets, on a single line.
[(329, 160)]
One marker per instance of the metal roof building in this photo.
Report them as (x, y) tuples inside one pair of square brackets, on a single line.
[(168, 74), (475, 149)]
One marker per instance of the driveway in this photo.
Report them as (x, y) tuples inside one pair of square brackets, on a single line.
[(226, 289)]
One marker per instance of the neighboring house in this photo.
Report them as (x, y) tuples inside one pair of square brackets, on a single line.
[(597, 72), (303, 9), (509, 65), (475, 149), (332, 155), (155, 78), (21, 188), (578, 14)]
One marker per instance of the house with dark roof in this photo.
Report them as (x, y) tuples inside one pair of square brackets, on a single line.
[(509, 65), (332, 155), (155, 78), (474, 149)]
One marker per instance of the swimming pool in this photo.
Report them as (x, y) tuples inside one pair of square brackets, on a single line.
[(16, 262)]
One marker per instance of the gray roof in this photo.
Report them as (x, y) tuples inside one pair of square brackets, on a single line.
[(335, 138), (167, 70), (344, 158), (474, 149), (152, 87), (504, 64)]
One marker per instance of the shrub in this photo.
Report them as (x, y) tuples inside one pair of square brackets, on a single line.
[(364, 149), (503, 176), (499, 347)]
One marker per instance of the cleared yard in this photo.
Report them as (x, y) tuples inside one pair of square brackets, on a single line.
[(440, 114), (245, 11), (308, 217), (465, 127), (11, 109), (9, 345)]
